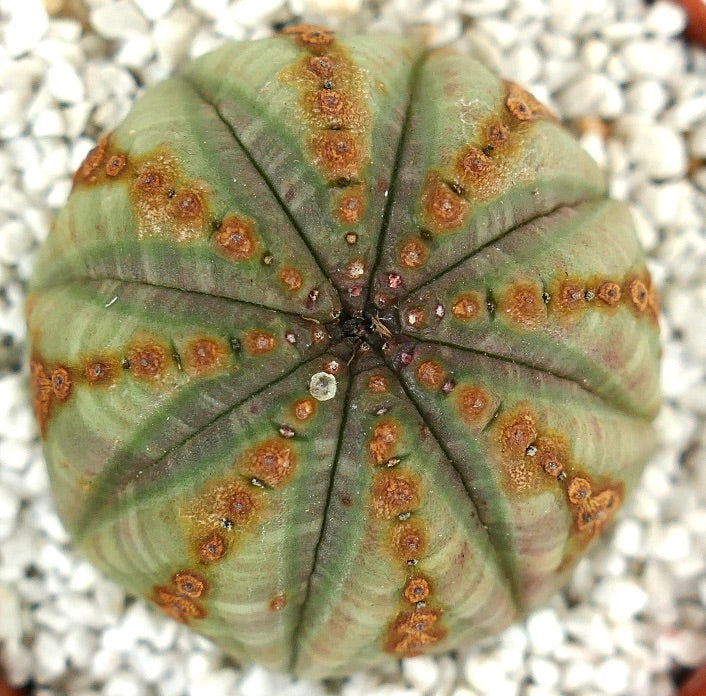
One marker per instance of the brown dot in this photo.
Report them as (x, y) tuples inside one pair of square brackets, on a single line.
[(41, 389), (115, 164), (597, 510), (430, 374), (523, 105), (311, 36), (552, 454), (212, 548), (99, 371), (609, 293), (497, 134), (61, 383), (416, 590), (258, 342), (444, 209), (334, 108), (147, 361), (189, 584), (393, 492), (273, 462), (517, 432), (417, 620), (351, 238), (523, 305), (304, 408), (290, 278), (384, 439), (377, 384), (473, 403), (468, 306), (236, 238), (337, 153), (237, 505), (413, 253), (350, 208), (639, 295), (355, 268), (278, 602), (205, 354), (187, 204), (176, 605), (471, 162), (88, 170), (409, 540), (579, 490), (321, 66), (571, 296), (151, 181), (416, 317)]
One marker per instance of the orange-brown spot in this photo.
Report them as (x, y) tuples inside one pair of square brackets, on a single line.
[(205, 354), (416, 317), (393, 493), (290, 278), (151, 181), (147, 361), (597, 510), (609, 292), (571, 296), (258, 342), (471, 162), (212, 548), (89, 168), (443, 208), (337, 153), (430, 374), (333, 108), (497, 134), (377, 384), (273, 462), (416, 590), (523, 305), (177, 606), (351, 205), (383, 440), (321, 66), (189, 584), (638, 294), (517, 432), (355, 268), (238, 505), (187, 205), (116, 164), (61, 383), (413, 253), (409, 540), (311, 36), (235, 238), (552, 454), (578, 490), (473, 403), (468, 306), (100, 371), (414, 630), (278, 602), (303, 409), (523, 105), (41, 388)]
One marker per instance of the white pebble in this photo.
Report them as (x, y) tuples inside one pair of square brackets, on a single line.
[(171, 36), (545, 631), (622, 597), (11, 624), (544, 672), (612, 676), (421, 672), (123, 684), (665, 18), (64, 83), (584, 95), (118, 20), (485, 673), (628, 537), (647, 97), (49, 655), (672, 543), (154, 9), (657, 149)]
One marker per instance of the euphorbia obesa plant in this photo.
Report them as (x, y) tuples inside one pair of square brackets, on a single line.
[(340, 352)]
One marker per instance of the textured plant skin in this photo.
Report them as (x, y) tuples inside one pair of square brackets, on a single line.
[(423, 233)]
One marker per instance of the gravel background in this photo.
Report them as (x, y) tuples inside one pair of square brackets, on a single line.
[(634, 615)]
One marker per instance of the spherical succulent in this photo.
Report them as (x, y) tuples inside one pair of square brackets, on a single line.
[(340, 352)]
